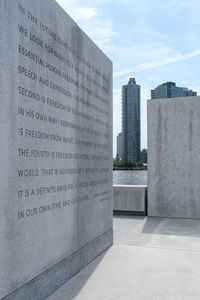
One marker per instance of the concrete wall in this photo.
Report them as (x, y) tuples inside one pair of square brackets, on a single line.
[(55, 149), (130, 199), (173, 157)]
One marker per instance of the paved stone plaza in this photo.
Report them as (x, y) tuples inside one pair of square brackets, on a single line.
[(152, 258)]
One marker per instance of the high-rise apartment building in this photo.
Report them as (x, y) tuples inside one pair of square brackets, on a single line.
[(119, 146), (170, 90), (131, 121)]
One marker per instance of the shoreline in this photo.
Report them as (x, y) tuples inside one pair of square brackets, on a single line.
[(129, 169)]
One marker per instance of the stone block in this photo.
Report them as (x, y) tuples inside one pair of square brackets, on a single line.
[(56, 148), (130, 199), (173, 157)]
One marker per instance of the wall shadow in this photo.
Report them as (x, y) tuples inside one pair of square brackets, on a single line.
[(172, 226), (74, 286)]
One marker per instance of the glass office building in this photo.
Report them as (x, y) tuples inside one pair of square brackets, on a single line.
[(170, 90)]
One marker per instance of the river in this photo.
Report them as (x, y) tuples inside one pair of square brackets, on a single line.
[(130, 177)]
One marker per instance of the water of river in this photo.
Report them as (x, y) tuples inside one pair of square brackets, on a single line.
[(130, 177)]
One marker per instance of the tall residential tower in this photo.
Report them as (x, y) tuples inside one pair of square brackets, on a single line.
[(131, 121)]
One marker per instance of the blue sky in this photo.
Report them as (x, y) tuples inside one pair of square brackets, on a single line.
[(152, 40)]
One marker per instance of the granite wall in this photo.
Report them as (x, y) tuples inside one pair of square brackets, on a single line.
[(55, 149), (173, 157), (130, 199)]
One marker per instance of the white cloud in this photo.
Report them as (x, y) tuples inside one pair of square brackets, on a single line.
[(97, 2), (102, 32), (76, 11), (193, 37), (87, 13), (91, 20), (122, 72), (155, 64), (167, 61)]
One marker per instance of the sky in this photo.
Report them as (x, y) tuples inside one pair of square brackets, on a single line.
[(152, 40)]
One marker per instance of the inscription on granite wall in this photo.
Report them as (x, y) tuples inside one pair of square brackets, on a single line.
[(56, 93)]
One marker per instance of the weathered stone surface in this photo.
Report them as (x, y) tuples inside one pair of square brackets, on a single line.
[(130, 199), (173, 157), (56, 142)]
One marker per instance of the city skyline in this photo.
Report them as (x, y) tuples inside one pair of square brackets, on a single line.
[(153, 41)]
